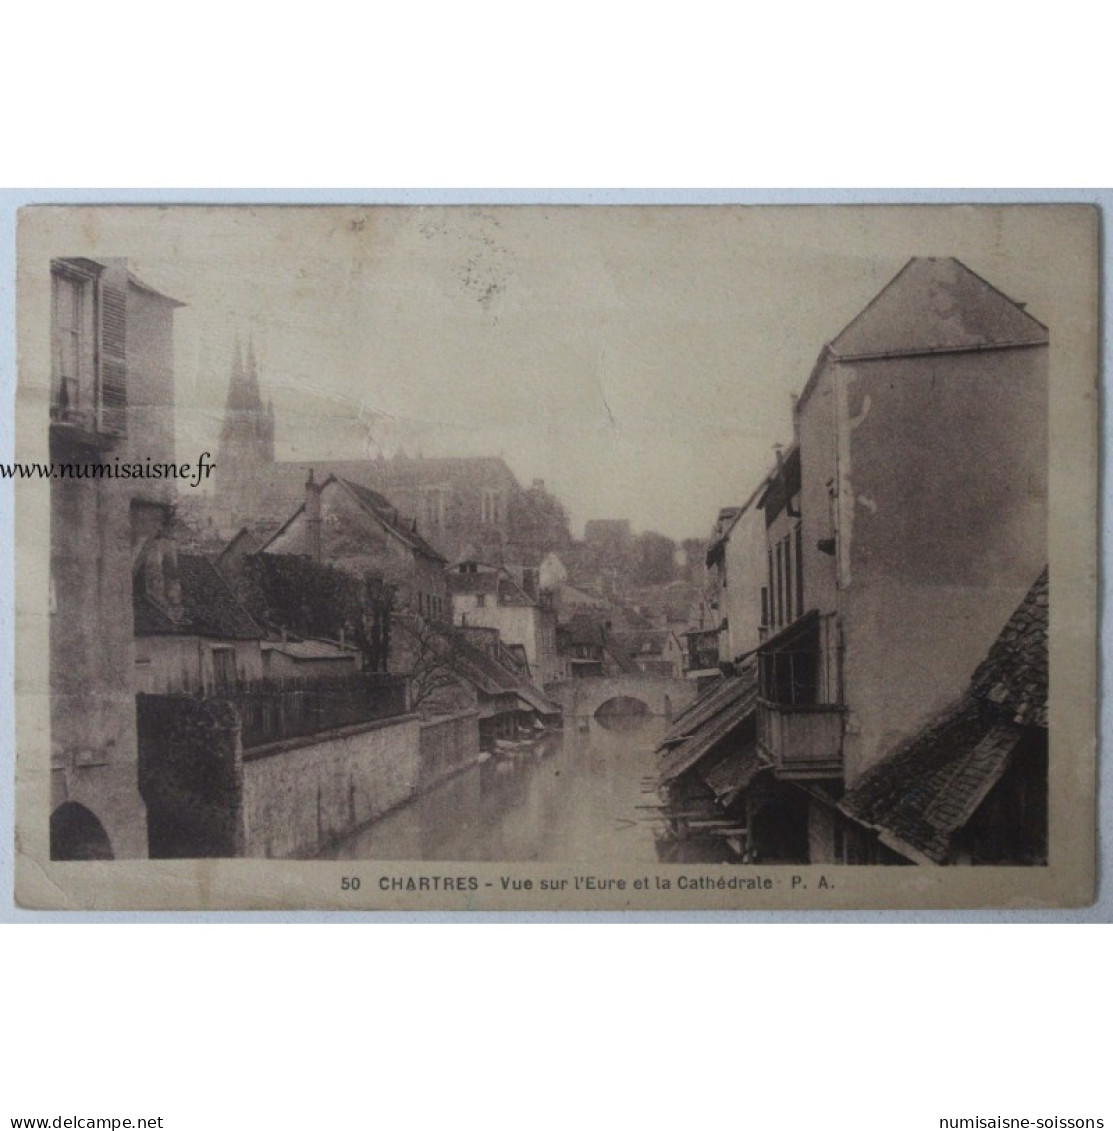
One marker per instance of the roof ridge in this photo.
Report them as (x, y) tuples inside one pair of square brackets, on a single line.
[(829, 345), (977, 320)]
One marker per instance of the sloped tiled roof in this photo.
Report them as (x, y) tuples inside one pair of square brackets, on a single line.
[(1013, 677), (542, 704), (486, 674), (209, 607), (735, 771), (381, 507), (702, 707), (244, 541), (923, 794), (691, 737), (919, 796), (937, 305)]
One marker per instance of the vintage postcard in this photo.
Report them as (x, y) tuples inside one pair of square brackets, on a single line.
[(543, 558)]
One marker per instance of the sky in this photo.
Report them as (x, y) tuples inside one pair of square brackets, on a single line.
[(640, 360)]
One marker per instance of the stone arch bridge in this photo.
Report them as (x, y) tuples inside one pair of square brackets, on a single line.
[(661, 695)]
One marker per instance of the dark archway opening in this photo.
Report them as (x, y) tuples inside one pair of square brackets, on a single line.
[(623, 712), (76, 834)]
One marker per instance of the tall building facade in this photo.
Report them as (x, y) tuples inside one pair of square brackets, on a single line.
[(111, 403)]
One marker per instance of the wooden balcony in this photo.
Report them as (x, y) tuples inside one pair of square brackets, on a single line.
[(801, 742)]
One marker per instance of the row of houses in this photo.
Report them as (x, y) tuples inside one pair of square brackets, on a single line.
[(454, 540), (340, 615), (874, 669)]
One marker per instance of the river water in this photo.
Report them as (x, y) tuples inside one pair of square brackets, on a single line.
[(573, 798)]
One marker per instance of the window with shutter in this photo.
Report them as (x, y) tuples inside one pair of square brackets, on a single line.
[(73, 342), (113, 399), (89, 346)]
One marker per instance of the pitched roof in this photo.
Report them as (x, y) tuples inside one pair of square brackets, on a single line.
[(382, 509), (919, 796), (1013, 677), (735, 771), (208, 608), (703, 706), (488, 675), (542, 704), (379, 508), (718, 715), (244, 541), (937, 305)]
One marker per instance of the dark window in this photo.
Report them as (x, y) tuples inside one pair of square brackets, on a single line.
[(780, 587), (772, 590), (790, 674), (788, 579), (765, 606), (799, 571), (71, 331), (224, 668)]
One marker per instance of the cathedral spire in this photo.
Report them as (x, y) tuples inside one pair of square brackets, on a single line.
[(244, 471), (241, 396), (252, 369)]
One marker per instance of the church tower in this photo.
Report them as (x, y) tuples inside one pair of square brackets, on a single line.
[(245, 461)]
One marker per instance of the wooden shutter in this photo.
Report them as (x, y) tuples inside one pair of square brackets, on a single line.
[(112, 401)]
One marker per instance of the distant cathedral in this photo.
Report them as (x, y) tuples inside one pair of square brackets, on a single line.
[(465, 507), (244, 475)]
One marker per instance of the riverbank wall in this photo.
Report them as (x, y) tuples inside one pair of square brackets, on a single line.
[(301, 795), (291, 798)]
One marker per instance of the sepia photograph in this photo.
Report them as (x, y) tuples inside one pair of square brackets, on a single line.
[(553, 558)]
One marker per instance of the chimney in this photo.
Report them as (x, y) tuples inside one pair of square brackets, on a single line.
[(313, 517), (779, 452)]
